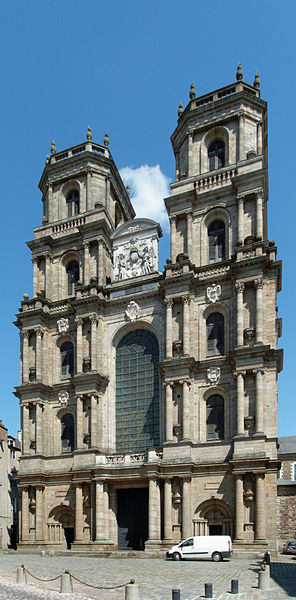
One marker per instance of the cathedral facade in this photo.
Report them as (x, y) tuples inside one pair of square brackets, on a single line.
[(149, 398)]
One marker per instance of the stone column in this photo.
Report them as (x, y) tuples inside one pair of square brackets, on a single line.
[(186, 410), (154, 511), (86, 263), (240, 404), (25, 351), (93, 342), (107, 194), (25, 429), (239, 507), (186, 509), (100, 264), (186, 325), (168, 533), (100, 512), (39, 514), (260, 516), (34, 260), (259, 215), (50, 203), (190, 145), (239, 313), (78, 513), (189, 236), (259, 139), (93, 420), (25, 535), (88, 189), (79, 422), (240, 220), (169, 411), (241, 127), (173, 237), (47, 284), (100, 441), (259, 409), (38, 355), (39, 427), (79, 322), (169, 337), (106, 510), (259, 310), (100, 344)]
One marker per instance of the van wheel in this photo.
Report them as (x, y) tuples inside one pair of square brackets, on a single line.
[(216, 556), (176, 556)]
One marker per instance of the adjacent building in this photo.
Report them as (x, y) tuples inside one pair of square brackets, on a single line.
[(149, 397), (10, 450), (287, 489)]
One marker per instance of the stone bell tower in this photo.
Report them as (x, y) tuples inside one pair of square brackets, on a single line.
[(221, 318)]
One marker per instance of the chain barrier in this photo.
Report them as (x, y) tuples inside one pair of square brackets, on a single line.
[(39, 578), (96, 587)]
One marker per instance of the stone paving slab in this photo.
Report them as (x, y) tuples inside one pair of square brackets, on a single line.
[(156, 577)]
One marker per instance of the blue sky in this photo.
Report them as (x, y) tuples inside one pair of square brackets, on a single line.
[(123, 66)]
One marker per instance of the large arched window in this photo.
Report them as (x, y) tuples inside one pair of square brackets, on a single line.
[(216, 154), (72, 271), (67, 433), (73, 203), (67, 360), (137, 392), (216, 235), (215, 418), (215, 334)]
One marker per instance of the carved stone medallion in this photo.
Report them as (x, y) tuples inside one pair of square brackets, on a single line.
[(213, 375), (213, 292), (133, 311), (63, 325), (63, 397)]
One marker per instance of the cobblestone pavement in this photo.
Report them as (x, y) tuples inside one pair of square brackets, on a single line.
[(156, 577)]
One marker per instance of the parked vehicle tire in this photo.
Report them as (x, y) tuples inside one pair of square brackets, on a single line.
[(216, 556), (176, 556)]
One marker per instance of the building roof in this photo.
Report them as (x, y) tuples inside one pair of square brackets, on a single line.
[(287, 445)]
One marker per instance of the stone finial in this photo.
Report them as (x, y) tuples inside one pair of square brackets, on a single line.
[(239, 73), (53, 147), (256, 83), (89, 134), (180, 109), (26, 296), (127, 187), (192, 93), (106, 139), (47, 160)]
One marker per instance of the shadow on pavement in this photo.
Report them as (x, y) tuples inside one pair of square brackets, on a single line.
[(284, 574)]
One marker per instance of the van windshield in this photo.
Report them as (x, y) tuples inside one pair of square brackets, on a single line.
[(187, 543)]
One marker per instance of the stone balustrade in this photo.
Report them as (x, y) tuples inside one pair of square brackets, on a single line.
[(215, 179)]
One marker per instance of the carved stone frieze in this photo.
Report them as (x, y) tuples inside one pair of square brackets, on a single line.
[(135, 249)]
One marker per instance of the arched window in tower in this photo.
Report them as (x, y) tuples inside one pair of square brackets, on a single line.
[(73, 203), (67, 433), (72, 271), (216, 154), (215, 417), (216, 235), (67, 360), (137, 392), (215, 334)]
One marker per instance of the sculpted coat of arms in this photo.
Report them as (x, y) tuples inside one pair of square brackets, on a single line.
[(213, 293), (213, 375), (133, 311), (63, 397), (63, 325)]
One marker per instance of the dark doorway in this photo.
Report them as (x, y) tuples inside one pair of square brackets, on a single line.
[(69, 535), (215, 529), (132, 516)]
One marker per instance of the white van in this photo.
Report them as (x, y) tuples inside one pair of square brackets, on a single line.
[(215, 547)]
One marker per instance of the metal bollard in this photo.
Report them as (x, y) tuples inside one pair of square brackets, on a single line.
[(208, 590), (176, 595), (132, 591), (42, 552), (21, 576), (234, 586), (66, 584)]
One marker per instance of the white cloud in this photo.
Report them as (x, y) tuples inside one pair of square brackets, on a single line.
[(148, 187)]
